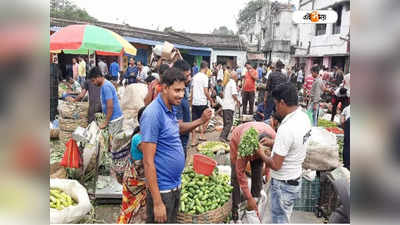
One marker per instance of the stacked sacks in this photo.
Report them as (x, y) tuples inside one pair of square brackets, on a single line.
[(131, 101), (72, 115)]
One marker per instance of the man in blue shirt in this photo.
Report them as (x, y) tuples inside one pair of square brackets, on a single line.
[(195, 69), (109, 99), (163, 155), (259, 71), (131, 72), (114, 70)]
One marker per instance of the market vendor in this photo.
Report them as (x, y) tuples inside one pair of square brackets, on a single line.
[(109, 102), (238, 167), (94, 99), (288, 152), (74, 88)]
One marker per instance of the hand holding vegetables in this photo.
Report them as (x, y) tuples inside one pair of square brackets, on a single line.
[(249, 143)]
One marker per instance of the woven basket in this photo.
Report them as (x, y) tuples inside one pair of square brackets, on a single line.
[(214, 216), (73, 110), (54, 133), (72, 124), (65, 136)]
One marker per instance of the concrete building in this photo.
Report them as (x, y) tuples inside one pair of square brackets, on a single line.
[(325, 44), (273, 35)]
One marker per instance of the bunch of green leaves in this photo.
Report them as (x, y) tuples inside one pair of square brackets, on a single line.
[(249, 143)]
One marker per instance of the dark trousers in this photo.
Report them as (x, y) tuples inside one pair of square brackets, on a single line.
[(171, 202), (228, 122), (343, 100), (346, 144), (260, 97), (256, 182), (270, 109), (248, 97), (93, 109)]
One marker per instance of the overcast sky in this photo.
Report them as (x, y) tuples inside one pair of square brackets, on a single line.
[(193, 16)]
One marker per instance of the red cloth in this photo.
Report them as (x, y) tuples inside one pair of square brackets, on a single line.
[(241, 163), (250, 82), (308, 83), (72, 157)]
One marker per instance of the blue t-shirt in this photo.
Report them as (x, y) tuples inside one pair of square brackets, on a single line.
[(183, 113), (135, 152), (131, 74), (259, 71), (108, 92), (260, 109), (195, 70), (159, 125), (114, 69)]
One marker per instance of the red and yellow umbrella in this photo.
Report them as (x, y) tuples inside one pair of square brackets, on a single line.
[(84, 39)]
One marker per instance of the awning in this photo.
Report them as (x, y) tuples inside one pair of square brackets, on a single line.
[(256, 56), (192, 50)]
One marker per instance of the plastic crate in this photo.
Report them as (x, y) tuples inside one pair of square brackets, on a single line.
[(309, 196)]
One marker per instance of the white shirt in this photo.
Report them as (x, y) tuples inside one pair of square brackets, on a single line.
[(290, 142), (220, 75), (103, 68), (199, 82), (230, 89), (143, 73), (346, 113)]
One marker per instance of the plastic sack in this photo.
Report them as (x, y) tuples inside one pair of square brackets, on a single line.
[(71, 214), (250, 217), (91, 149), (72, 158), (322, 150), (133, 96)]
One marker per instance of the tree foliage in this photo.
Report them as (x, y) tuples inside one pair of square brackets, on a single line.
[(247, 16), (65, 9), (222, 30)]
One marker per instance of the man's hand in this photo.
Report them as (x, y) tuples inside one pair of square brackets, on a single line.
[(267, 142), (160, 213), (104, 125), (260, 152), (252, 204), (206, 116)]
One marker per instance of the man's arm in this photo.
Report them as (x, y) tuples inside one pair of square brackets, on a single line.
[(185, 127), (208, 95), (80, 96), (254, 75), (147, 99), (242, 180), (149, 151), (275, 162), (110, 109)]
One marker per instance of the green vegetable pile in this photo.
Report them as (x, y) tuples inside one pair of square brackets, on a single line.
[(201, 193), (340, 143), (60, 200), (208, 153), (249, 143), (213, 146), (326, 123), (236, 122)]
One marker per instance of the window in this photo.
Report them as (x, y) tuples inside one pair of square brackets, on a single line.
[(320, 29), (336, 26), (263, 33)]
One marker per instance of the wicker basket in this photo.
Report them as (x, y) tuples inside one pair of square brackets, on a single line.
[(73, 110), (54, 133), (211, 217), (72, 124), (65, 136)]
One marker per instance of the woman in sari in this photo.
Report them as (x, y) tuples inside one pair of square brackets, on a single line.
[(133, 208)]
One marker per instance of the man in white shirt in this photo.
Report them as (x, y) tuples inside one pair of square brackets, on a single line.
[(200, 95), (228, 106), (288, 152), (142, 73), (220, 74)]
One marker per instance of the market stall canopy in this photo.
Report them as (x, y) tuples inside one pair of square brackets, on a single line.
[(84, 39)]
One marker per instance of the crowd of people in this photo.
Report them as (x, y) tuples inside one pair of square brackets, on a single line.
[(181, 98)]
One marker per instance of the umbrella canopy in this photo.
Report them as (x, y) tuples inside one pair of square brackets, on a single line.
[(84, 39)]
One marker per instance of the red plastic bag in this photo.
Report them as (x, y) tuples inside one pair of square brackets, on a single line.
[(72, 157)]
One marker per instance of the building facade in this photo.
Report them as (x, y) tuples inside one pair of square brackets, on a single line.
[(325, 44)]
